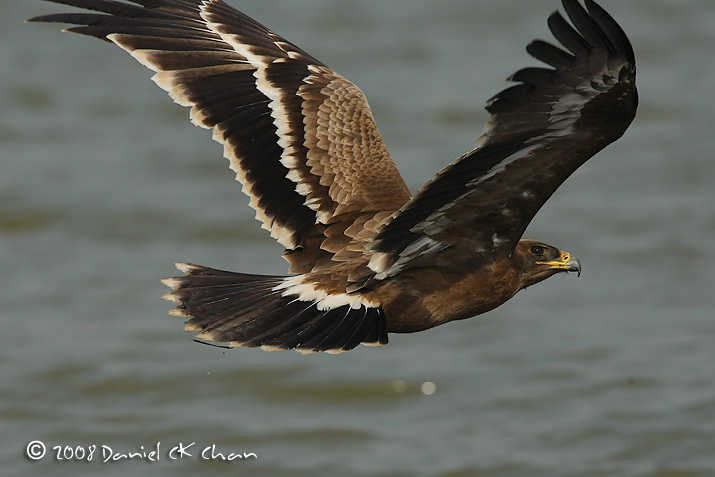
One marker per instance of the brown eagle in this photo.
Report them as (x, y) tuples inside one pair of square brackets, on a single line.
[(366, 256)]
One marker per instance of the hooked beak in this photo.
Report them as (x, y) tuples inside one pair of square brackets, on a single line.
[(566, 262)]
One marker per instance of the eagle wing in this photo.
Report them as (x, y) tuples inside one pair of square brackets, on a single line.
[(300, 137), (539, 132)]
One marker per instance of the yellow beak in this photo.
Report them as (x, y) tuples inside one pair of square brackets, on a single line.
[(566, 262)]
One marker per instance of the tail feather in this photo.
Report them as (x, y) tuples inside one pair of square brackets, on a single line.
[(360, 329), (223, 319), (296, 331), (257, 311), (212, 296), (316, 335), (340, 331), (266, 324)]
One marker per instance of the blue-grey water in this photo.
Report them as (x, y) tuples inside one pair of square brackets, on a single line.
[(104, 184)]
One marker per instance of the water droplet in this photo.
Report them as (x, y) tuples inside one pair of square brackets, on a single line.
[(428, 388), (399, 386)]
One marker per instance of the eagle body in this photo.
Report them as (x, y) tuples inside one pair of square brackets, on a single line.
[(366, 257), (425, 298)]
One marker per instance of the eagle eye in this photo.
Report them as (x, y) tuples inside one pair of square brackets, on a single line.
[(537, 250)]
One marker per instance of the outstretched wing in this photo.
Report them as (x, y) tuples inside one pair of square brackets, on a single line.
[(301, 138), (539, 132)]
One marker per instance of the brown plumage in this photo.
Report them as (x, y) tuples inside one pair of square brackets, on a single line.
[(367, 257)]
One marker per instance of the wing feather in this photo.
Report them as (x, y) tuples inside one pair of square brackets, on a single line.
[(301, 138), (539, 132)]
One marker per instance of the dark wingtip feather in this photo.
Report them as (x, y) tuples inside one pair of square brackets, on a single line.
[(549, 54), (586, 25), (567, 35), (533, 75), (612, 30), (594, 27), (36, 19)]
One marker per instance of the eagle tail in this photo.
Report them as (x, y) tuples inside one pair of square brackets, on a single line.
[(256, 311)]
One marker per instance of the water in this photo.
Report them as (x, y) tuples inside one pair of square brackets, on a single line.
[(105, 184)]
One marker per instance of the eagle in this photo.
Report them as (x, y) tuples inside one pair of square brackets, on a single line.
[(367, 257)]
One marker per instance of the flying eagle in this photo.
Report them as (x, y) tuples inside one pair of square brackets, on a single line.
[(368, 258)]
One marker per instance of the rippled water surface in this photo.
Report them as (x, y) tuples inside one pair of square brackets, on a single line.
[(105, 184)]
